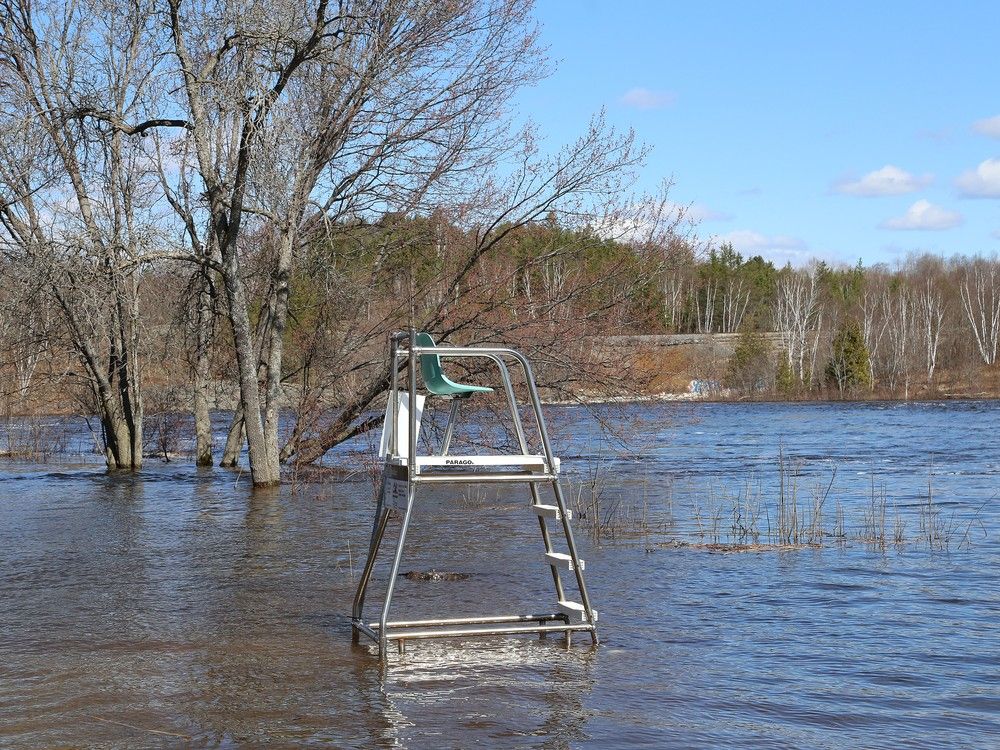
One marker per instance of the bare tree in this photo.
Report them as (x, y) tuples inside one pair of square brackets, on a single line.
[(479, 289), (704, 307), (981, 302), (796, 312), (931, 311), (674, 295), (75, 207), (873, 323), (303, 117), (735, 299), (899, 314)]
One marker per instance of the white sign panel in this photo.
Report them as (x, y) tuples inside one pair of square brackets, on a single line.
[(397, 488)]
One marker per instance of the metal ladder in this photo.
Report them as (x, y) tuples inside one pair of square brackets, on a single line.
[(404, 472)]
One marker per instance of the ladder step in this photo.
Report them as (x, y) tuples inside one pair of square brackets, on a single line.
[(562, 560), (551, 511), (575, 611)]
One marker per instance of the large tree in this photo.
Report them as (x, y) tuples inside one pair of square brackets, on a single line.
[(304, 116), (76, 208)]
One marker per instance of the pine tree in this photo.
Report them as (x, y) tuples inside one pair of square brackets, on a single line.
[(849, 366), (749, 368)]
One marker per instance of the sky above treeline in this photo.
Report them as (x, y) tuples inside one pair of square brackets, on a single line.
[(839, 131)]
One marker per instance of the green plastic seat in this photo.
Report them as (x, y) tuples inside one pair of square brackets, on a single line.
[(436, 381)]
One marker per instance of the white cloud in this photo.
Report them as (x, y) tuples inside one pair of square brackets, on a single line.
[(981, 182), (697, 212), (889, 180), (779, 248), (988, 127), (995, 234), (641, 98), (747, 239), (924, 215)]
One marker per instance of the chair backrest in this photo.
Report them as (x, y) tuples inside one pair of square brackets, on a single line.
[(435, 380), (430, 365)]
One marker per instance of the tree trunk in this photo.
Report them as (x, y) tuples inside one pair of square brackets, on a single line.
[(234, 441), (202, 423), (203, 342), (277, 320), (265, 469), (119, 444)]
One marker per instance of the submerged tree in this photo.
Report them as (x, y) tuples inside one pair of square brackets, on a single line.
[(304, 117), (76, 211)]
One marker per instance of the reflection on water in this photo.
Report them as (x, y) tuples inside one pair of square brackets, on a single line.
[(178, 609)]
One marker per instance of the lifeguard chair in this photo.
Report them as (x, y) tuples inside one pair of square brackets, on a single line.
[(404, 472)]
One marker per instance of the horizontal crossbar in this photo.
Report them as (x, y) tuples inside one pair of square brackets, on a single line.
[(466, 631), (482, 477), (486, 619)]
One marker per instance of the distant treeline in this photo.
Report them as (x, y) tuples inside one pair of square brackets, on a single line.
[(891, 329), (547, 289), (543, 287)]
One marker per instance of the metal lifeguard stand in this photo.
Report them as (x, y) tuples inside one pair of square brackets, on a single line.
[(404, 472)]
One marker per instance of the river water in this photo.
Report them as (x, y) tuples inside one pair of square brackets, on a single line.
[(179, 609)]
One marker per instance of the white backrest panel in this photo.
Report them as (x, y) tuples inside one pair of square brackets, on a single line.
[(402, 424)]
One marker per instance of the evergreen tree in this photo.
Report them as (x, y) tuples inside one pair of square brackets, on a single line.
[(784, 379), (849, 366)]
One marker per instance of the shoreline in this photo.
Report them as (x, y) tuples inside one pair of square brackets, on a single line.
[(722, 397), (766, 399)]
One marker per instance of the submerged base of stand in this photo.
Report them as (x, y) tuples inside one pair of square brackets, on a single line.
[(462, 627)]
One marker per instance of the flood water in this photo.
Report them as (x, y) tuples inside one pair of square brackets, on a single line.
[(178, 609)]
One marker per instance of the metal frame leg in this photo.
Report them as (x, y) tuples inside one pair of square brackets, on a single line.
[(450, 427), (378, 532), (397, 558)]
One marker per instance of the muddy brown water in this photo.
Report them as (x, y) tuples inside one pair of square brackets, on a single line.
[(178, 609)]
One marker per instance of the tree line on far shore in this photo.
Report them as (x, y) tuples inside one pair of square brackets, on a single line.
[(903, 330)]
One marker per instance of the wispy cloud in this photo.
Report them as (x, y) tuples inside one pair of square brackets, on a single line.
[(924, 215), (778, 248), (641, 98), (989, 127), (981, 182), (995, 234), (943, 135), (698, 212), (889, 180)]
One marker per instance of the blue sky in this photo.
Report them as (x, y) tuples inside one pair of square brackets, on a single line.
[(797, 130)]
